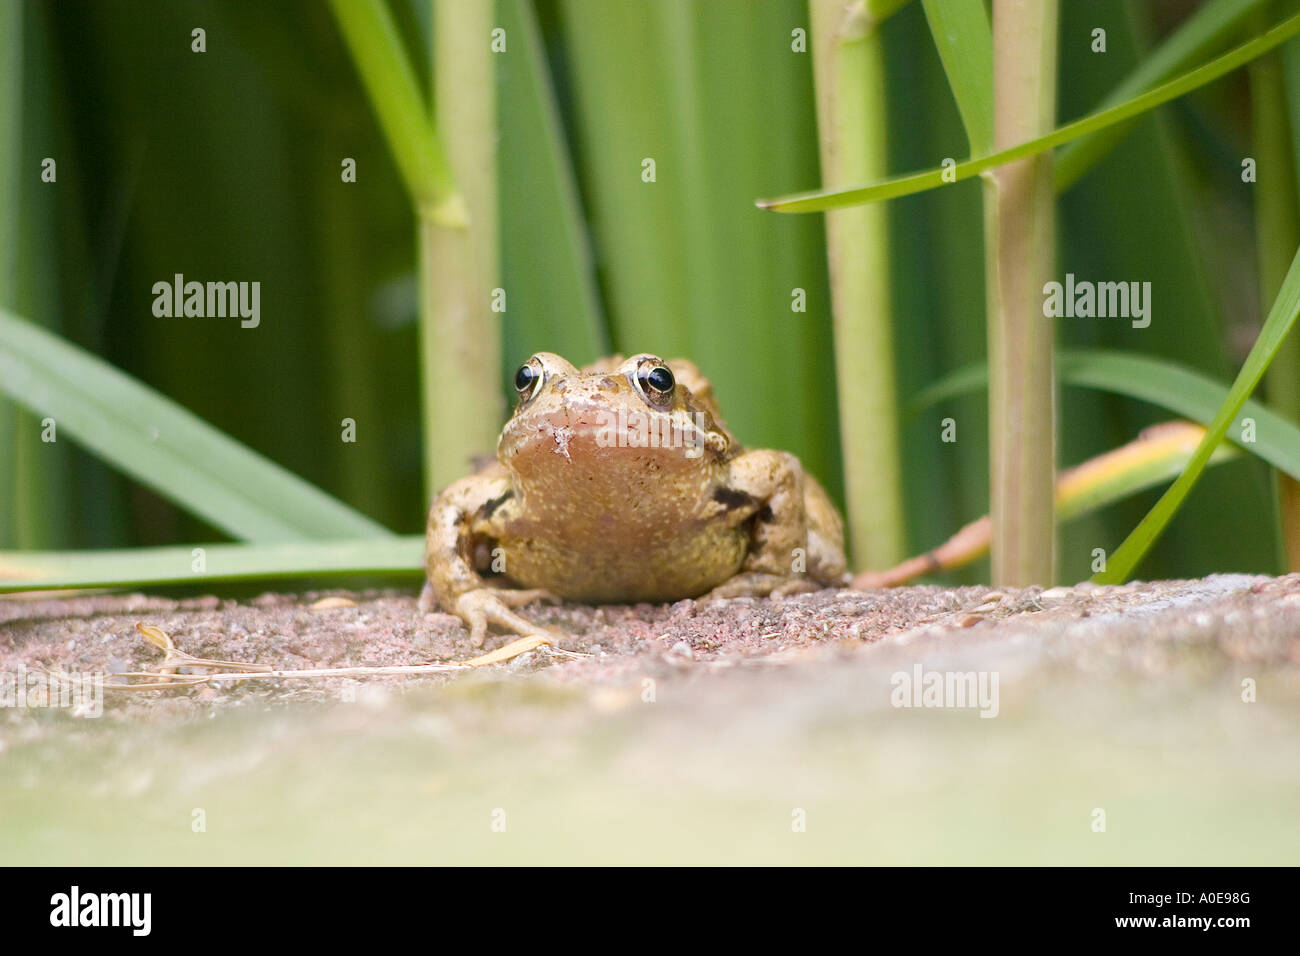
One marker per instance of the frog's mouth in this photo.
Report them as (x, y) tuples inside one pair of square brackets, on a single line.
[(578, 432)]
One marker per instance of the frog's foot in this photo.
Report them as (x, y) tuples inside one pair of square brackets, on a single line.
[(760, 584), (484, 606), (428, 600)]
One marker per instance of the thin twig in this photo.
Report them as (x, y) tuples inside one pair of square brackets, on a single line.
[(165, 678)]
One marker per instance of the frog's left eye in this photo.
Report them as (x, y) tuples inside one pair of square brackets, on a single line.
[(655, 382), (528, 380)]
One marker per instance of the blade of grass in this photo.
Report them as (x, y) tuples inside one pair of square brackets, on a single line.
[(1281, 317), (849, 77), (821, 200), (138, 567), (961, 34), (163, 445), (547, 259), (1204, 32), (945, 481), (965, 43), (1157, 381), (633, 61), (1158, 455), (1149, 201)]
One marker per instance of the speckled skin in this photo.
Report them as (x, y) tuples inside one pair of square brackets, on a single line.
[(580, 506)]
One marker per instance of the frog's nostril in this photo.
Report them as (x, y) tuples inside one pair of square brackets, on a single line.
[(607, 384)]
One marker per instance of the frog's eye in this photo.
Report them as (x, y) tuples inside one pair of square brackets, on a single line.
[(655, 382), (528, 380)]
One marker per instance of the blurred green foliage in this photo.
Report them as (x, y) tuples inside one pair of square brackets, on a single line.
[(225, 165)]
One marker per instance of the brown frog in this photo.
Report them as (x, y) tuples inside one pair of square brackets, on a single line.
[(618, 483)]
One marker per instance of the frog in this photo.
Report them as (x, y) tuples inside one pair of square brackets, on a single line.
[(620, 483)]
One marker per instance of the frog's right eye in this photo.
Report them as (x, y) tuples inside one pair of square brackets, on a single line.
[(655, 382), (528, 380)]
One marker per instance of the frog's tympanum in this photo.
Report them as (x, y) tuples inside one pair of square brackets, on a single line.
[(618, 483)]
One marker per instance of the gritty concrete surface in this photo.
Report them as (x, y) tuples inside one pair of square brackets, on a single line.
[(770, 730)]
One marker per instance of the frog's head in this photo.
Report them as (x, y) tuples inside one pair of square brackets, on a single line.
[(606, 416)]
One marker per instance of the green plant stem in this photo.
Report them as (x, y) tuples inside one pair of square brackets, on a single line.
[(376, 48), (877, 11), (1281, 317), (1019, 257), (11, 128), (455, 198), (1277, 232), (12, 500), (848, 62), (460, 335)]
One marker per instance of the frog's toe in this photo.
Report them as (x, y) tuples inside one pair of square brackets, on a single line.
[(515, 598), (759, 584), (795, 586), (428, 600), (492, 606)]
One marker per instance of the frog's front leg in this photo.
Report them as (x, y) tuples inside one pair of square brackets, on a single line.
[(464, 515), (778, 553)]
